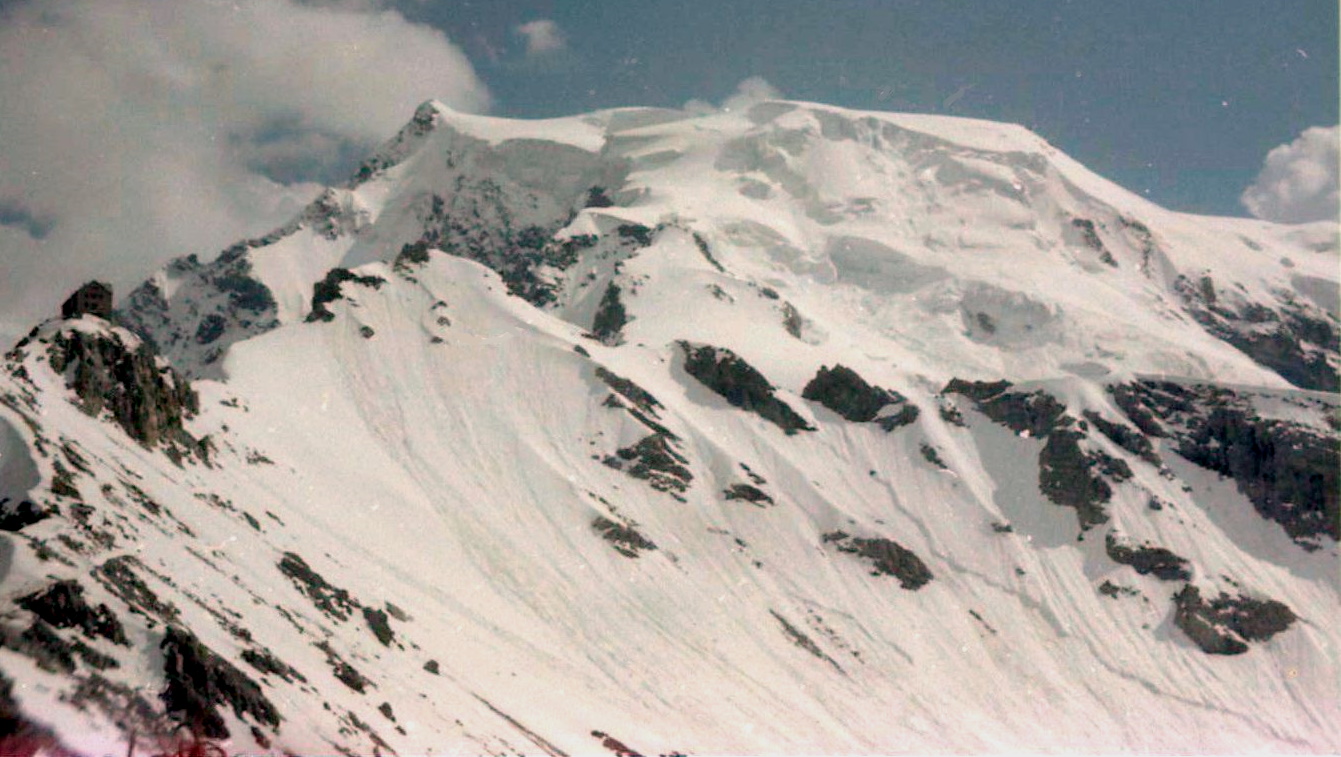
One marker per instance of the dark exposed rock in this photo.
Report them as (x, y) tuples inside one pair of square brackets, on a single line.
[(1066, 476), (476, 221), (803, 640), (930, 454), (424, 121), (266, 662), (15, 516), (1226, 624), (343, 671), (62, 605), (951, 415), (625, 539), (1092, 240), (845, 392), (119, 577), (432, 667), (1147, 560), (597, 198), (635, 233), (654, 460), (792, 320), (977, 391), (724, 372), (702, 245), (200, 681), (1115, 469), (1125, 437), (1144, 239), (332, 600), (614, 745), (247, 308), (610, 317), (1037, 413), (210, 329), (1297, 340), (906, 415), (245, 292), (1291, 473), (1110, 589), (378, 623), (411, 256), (146, 397), (755, 477), (1145, 403), (92, 657), (887, 557), (42, 645), (978, 617), (51, 651), (639, 396), (327, 291), (62, 482), (751, 494)]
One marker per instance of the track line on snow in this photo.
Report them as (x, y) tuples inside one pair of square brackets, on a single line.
[(535, 738)]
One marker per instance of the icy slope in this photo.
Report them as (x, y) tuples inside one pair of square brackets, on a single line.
[(944, 236), (564, 462)]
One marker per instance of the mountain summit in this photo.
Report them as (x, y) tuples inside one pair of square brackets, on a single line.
[(791, 429)]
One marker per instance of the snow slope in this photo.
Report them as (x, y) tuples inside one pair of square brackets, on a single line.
[(428, 516)]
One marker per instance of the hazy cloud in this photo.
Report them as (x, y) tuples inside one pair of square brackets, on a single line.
[(542, 36), (750, 91), (753, 90), (1298, 182), (135, 132)]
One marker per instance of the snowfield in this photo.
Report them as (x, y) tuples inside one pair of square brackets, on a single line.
[(515, 444)]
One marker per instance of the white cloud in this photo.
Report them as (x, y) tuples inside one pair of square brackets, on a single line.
[(542, 36), (750, 91), (1298, 182), (753, 90), (135, 132)]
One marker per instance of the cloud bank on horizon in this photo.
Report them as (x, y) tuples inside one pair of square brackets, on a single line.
[(1299, 180), (136, 132)]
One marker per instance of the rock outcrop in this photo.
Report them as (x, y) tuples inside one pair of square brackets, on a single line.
[(1289, 471), (845, 392), (110, 369), (724, 372)]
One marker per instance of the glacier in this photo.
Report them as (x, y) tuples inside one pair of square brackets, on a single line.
[(793, 429)]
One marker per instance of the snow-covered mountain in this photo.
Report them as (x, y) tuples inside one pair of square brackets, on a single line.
[(794, 429)]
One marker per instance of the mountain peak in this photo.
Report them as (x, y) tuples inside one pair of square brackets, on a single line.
[(629, 428)]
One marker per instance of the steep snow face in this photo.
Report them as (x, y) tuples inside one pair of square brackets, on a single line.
[(944, 237), (565, 460), (436, 182), (938, 236)]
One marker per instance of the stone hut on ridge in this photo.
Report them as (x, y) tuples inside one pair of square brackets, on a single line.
[(93, 298)]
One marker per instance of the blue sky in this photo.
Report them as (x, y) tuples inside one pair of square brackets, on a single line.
[(1180, 100)]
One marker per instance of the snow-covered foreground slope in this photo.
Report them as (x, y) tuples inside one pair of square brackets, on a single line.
[(560, 459)]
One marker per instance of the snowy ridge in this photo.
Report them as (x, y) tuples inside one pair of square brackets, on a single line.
[(517, 478)]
